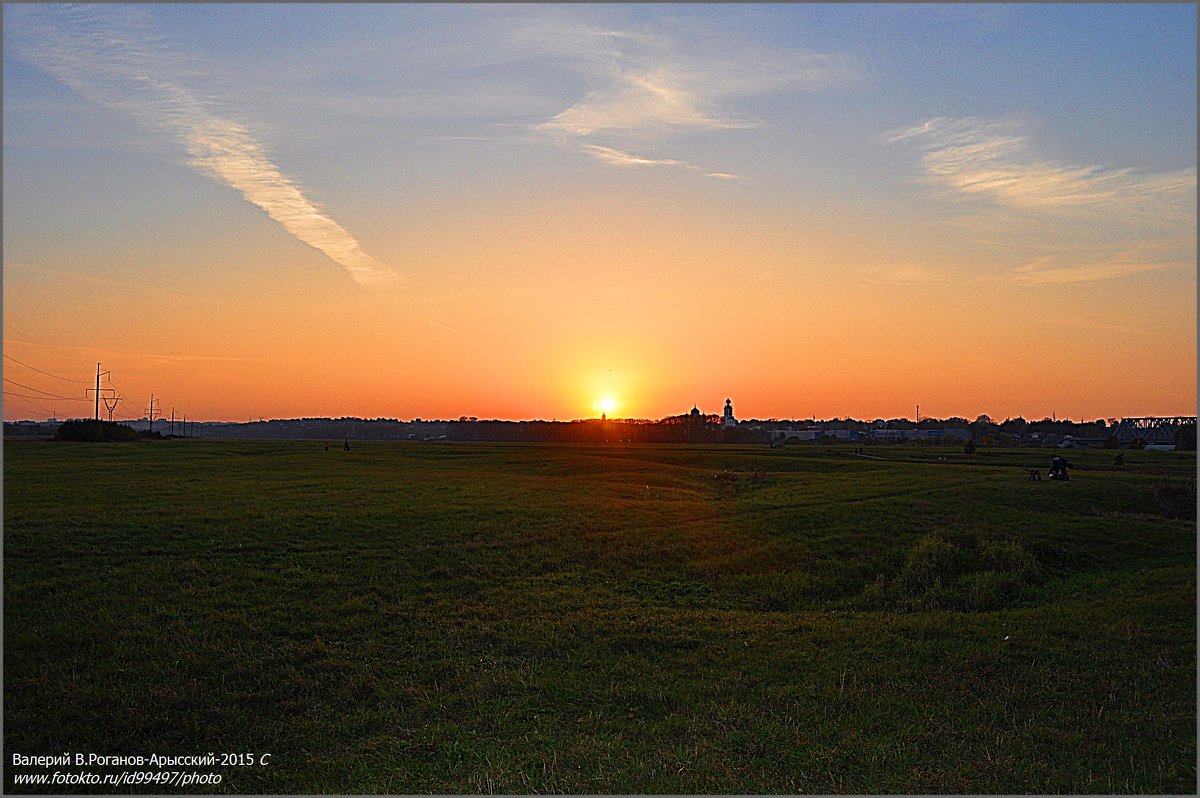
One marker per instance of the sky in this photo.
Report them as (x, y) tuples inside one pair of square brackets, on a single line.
[(522, 211)]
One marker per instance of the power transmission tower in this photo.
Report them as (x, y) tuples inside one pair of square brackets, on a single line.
[(172, 432), (111, 403), (97, 390), (152, 413)]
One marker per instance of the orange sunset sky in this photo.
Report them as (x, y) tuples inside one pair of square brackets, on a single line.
[(518, 211)]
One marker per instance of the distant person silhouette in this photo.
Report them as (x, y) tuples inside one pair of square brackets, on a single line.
[(326, 445), (1058, 468), (347, 444)]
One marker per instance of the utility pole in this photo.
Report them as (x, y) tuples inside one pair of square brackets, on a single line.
[(172, 432), (98, 390), (150, 413)]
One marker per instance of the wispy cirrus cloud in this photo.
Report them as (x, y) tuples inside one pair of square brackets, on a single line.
[(113, 57), (647, 85), (1051, 270), (651, 83), (989, 159), (1098, 222), (638, 103), (615, 157)]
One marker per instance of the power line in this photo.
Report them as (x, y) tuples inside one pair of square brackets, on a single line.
[(29, 409), (27, 335), (48, 374), (43, 398), (27, 404), (39, 390), (120, 393), (48, 394)]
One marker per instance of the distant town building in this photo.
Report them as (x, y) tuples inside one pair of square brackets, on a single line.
[(727, 420), (783, 435)]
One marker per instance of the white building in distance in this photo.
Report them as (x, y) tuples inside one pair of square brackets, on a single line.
[(728, 420)]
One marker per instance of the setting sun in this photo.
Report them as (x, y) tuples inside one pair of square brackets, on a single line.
[(607, 404)]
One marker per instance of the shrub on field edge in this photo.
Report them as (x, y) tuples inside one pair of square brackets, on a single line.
[(92, 431)]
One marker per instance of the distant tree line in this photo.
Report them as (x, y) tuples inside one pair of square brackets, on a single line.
[(683, 428), (983, 431)]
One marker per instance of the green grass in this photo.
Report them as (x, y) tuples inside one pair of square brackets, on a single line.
[(517, 618)]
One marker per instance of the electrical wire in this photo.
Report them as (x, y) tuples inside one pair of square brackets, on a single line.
[(48, 394), (43, 398), (48, 374), (27, 404), (28, 408), (120, 394), (27, 335)]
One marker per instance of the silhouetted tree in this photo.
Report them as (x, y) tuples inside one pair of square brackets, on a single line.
[(94, 431)]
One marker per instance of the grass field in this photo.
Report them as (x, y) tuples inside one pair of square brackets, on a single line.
[(464, 618)]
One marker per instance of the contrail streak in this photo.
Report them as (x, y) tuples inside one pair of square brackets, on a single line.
[(80, 46)]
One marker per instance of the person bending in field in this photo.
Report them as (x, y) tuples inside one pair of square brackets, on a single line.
[(1058, 468)]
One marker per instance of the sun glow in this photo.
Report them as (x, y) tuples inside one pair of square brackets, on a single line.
[(607, 404)]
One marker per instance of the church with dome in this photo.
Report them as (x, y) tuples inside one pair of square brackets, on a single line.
[(696, 418), (727, 420)]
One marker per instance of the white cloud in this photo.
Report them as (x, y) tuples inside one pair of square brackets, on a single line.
[(648, 85), (638, 103), (619, 158), (113, 57), (615, 157), (1099, 222), (988, 158)]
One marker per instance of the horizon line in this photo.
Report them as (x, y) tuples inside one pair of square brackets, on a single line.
[(625, 419)]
